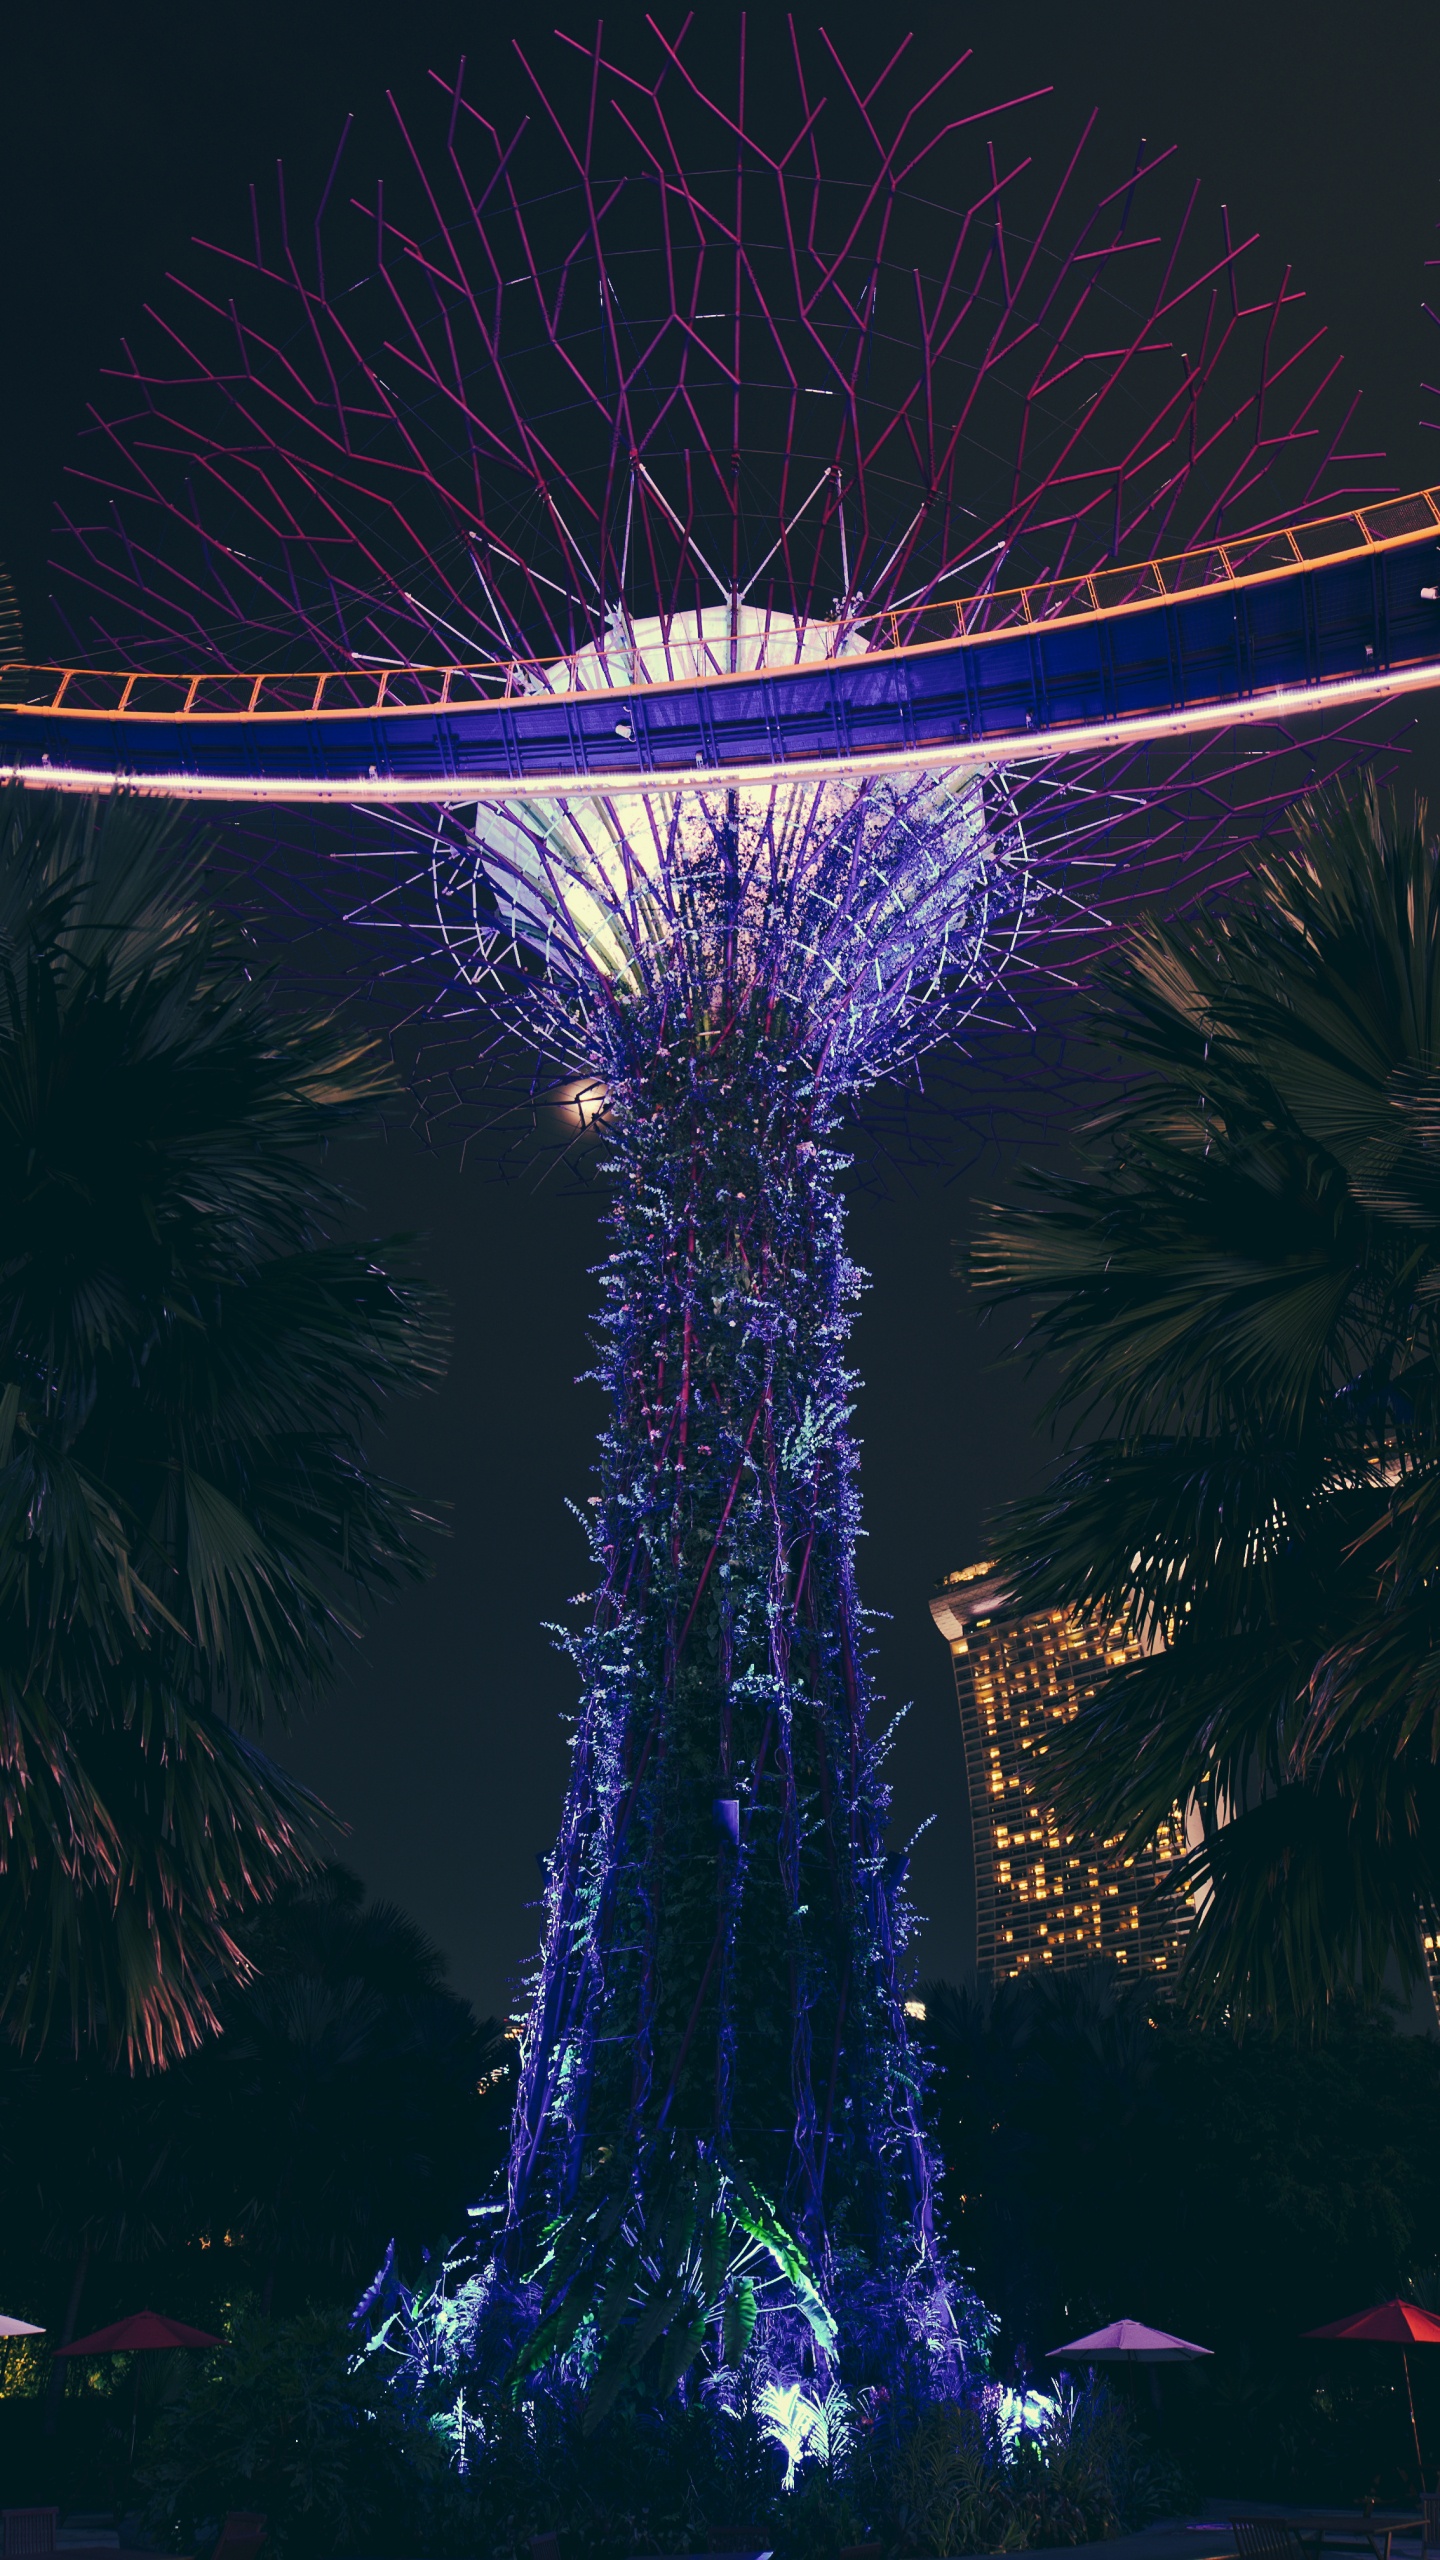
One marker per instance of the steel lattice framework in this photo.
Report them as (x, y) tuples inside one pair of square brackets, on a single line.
[(716, 373), (408, 482), (599, 421)]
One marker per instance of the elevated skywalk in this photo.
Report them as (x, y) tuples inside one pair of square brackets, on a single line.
[(1268, 628)]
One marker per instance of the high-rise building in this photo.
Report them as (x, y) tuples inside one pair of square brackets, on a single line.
[(1044, 1896)]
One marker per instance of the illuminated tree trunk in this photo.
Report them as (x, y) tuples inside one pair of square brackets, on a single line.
[(722, 1925)]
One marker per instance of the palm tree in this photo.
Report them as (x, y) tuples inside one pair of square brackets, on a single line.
[(187, 1515), (1242, 1287)]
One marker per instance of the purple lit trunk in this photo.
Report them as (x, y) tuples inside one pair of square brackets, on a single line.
[(720, 1946)]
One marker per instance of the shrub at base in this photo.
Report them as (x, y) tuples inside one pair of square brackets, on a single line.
[(286, 2419), (972, 2479), (277, 2420)]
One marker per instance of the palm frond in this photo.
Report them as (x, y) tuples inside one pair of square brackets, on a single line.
[(189, 1524), (1242, 1289)]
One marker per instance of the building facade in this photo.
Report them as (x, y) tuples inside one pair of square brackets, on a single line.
[(1045, 1896)]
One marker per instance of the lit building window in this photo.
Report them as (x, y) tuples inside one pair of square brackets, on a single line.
[(1014, 1677)]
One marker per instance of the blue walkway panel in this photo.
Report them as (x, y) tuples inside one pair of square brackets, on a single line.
[(1274, 627)]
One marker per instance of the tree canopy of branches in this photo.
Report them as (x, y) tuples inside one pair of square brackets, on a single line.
[(187, 1515), (1242, 1288)]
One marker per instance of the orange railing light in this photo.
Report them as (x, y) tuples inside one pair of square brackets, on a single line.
[(1244, 560)]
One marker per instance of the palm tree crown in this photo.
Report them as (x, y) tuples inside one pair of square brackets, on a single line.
[(1243, 1287), (187, 1517)]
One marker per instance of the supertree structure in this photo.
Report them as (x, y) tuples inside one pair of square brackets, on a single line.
[(654, 391)]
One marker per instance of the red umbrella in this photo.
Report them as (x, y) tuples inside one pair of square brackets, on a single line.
[(141, 2332), (1390, 2324)]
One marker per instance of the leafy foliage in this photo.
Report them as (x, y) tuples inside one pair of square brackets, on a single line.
[(1243, 1288), (719, 1979), (671, 2248), (647, 2479), (804, 2424), (322, 2446), (186, 1371), (278, 2420), (1084, 2475)]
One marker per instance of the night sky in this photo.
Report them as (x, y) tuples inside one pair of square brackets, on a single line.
[(129, 130)]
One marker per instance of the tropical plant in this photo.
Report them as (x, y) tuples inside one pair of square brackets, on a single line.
[(708, 2253), (808, 2426), (282, 2419), (187, 1516), (1242, 1288), (963, 2480)]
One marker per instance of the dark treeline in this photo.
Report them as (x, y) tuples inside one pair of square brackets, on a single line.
[(1106, 2158), (351, 2098)]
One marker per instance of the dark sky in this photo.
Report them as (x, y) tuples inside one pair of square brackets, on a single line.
[(126, 131)]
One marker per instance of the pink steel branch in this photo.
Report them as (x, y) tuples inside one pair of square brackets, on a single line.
[(389, 504)]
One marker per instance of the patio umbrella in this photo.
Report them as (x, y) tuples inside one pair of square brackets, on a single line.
[(1390, 2324), (1130, 2342), (143, 2333), (20, 2328)]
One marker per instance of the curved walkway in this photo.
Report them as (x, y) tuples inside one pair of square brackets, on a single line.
[(1270, 628)]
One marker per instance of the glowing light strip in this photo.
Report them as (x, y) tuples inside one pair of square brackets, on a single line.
[(1003, 747), (1169, 593)]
